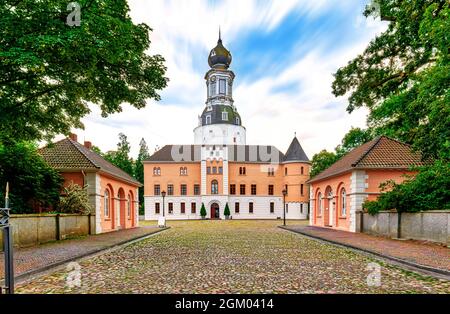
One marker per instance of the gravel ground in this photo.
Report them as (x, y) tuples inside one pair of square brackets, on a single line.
[(232, 257)]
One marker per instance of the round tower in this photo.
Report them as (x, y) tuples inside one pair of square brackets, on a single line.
[(219, 123)]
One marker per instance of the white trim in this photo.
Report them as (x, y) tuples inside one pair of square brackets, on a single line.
[(358, 195)]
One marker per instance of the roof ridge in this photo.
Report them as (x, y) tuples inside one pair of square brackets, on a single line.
[(375, 142), (75, 144), (110, 163)]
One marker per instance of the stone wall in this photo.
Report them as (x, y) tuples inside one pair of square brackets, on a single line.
[(35, 229), (428, 225)]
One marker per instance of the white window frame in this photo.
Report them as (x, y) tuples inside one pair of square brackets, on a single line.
[(224, 116), (319, 206), (129, 206), (343, 203), (107, 203)]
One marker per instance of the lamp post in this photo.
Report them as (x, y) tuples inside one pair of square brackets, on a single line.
[(284, 207), (163, 193), (7, 244)]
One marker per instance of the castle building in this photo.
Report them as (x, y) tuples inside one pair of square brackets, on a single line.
[(220, 168)]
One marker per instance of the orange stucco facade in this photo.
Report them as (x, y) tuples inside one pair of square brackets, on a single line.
[(123, 204), (257, 187), (73, 178), (335, 200)]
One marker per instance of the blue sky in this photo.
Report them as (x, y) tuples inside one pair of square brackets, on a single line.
[(284, 54)]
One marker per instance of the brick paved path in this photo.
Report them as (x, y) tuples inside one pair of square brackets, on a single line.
[(233, 257), (28, 259), (427, 254)]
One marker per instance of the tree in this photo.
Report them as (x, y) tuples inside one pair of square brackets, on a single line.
[(203, 211), (75, 200), (50, 71), (322, 161), (354, 138), (120, 157), (226, 211), (34, 185), (139, 170), (403, 76)]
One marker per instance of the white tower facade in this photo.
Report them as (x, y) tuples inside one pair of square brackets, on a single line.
[(220, 123)]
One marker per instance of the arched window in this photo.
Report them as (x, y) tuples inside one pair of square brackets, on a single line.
[(159, 171), (129, 206), (214, 187), (343, 203), (319, 204), (208, 119), (301, 170), (238, 121), (183, 171), (107, 202), (156, 171)]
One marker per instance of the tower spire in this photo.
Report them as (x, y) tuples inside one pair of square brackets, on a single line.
[(220, 35)]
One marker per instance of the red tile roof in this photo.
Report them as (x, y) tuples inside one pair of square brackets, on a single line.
[(380, 153), (68, 154)]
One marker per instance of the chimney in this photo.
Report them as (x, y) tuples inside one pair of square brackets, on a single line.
[(73, 137), (88, 144)]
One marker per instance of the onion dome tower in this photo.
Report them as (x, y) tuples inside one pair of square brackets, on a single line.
[(220, 123)]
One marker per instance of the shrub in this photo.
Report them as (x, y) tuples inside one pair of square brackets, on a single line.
[(226, 212), (428, 190), (203, 211), (34, 185), (75, 200)]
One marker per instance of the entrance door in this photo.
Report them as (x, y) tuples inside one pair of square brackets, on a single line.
[(215, 211)]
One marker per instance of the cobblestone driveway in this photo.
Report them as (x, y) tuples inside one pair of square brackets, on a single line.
[(232, 257)]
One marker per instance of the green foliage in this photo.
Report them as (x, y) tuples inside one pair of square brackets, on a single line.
[(354, 138), (226, 211), (50, 72), (139, 171), (120, 157), (322, 161), (33, 184), (203, 211), (429, 190), (75, 200), (403, 76)]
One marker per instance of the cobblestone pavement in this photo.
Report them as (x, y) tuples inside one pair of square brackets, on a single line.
[(428, 254), (31, 258), (233, 257)]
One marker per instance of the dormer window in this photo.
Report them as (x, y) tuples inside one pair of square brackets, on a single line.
[(208, 119), (237, 121), (225, 116)]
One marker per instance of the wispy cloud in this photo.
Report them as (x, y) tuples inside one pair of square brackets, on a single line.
[(284, 54)]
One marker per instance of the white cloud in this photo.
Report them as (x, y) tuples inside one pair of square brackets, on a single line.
[(184, 28)]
